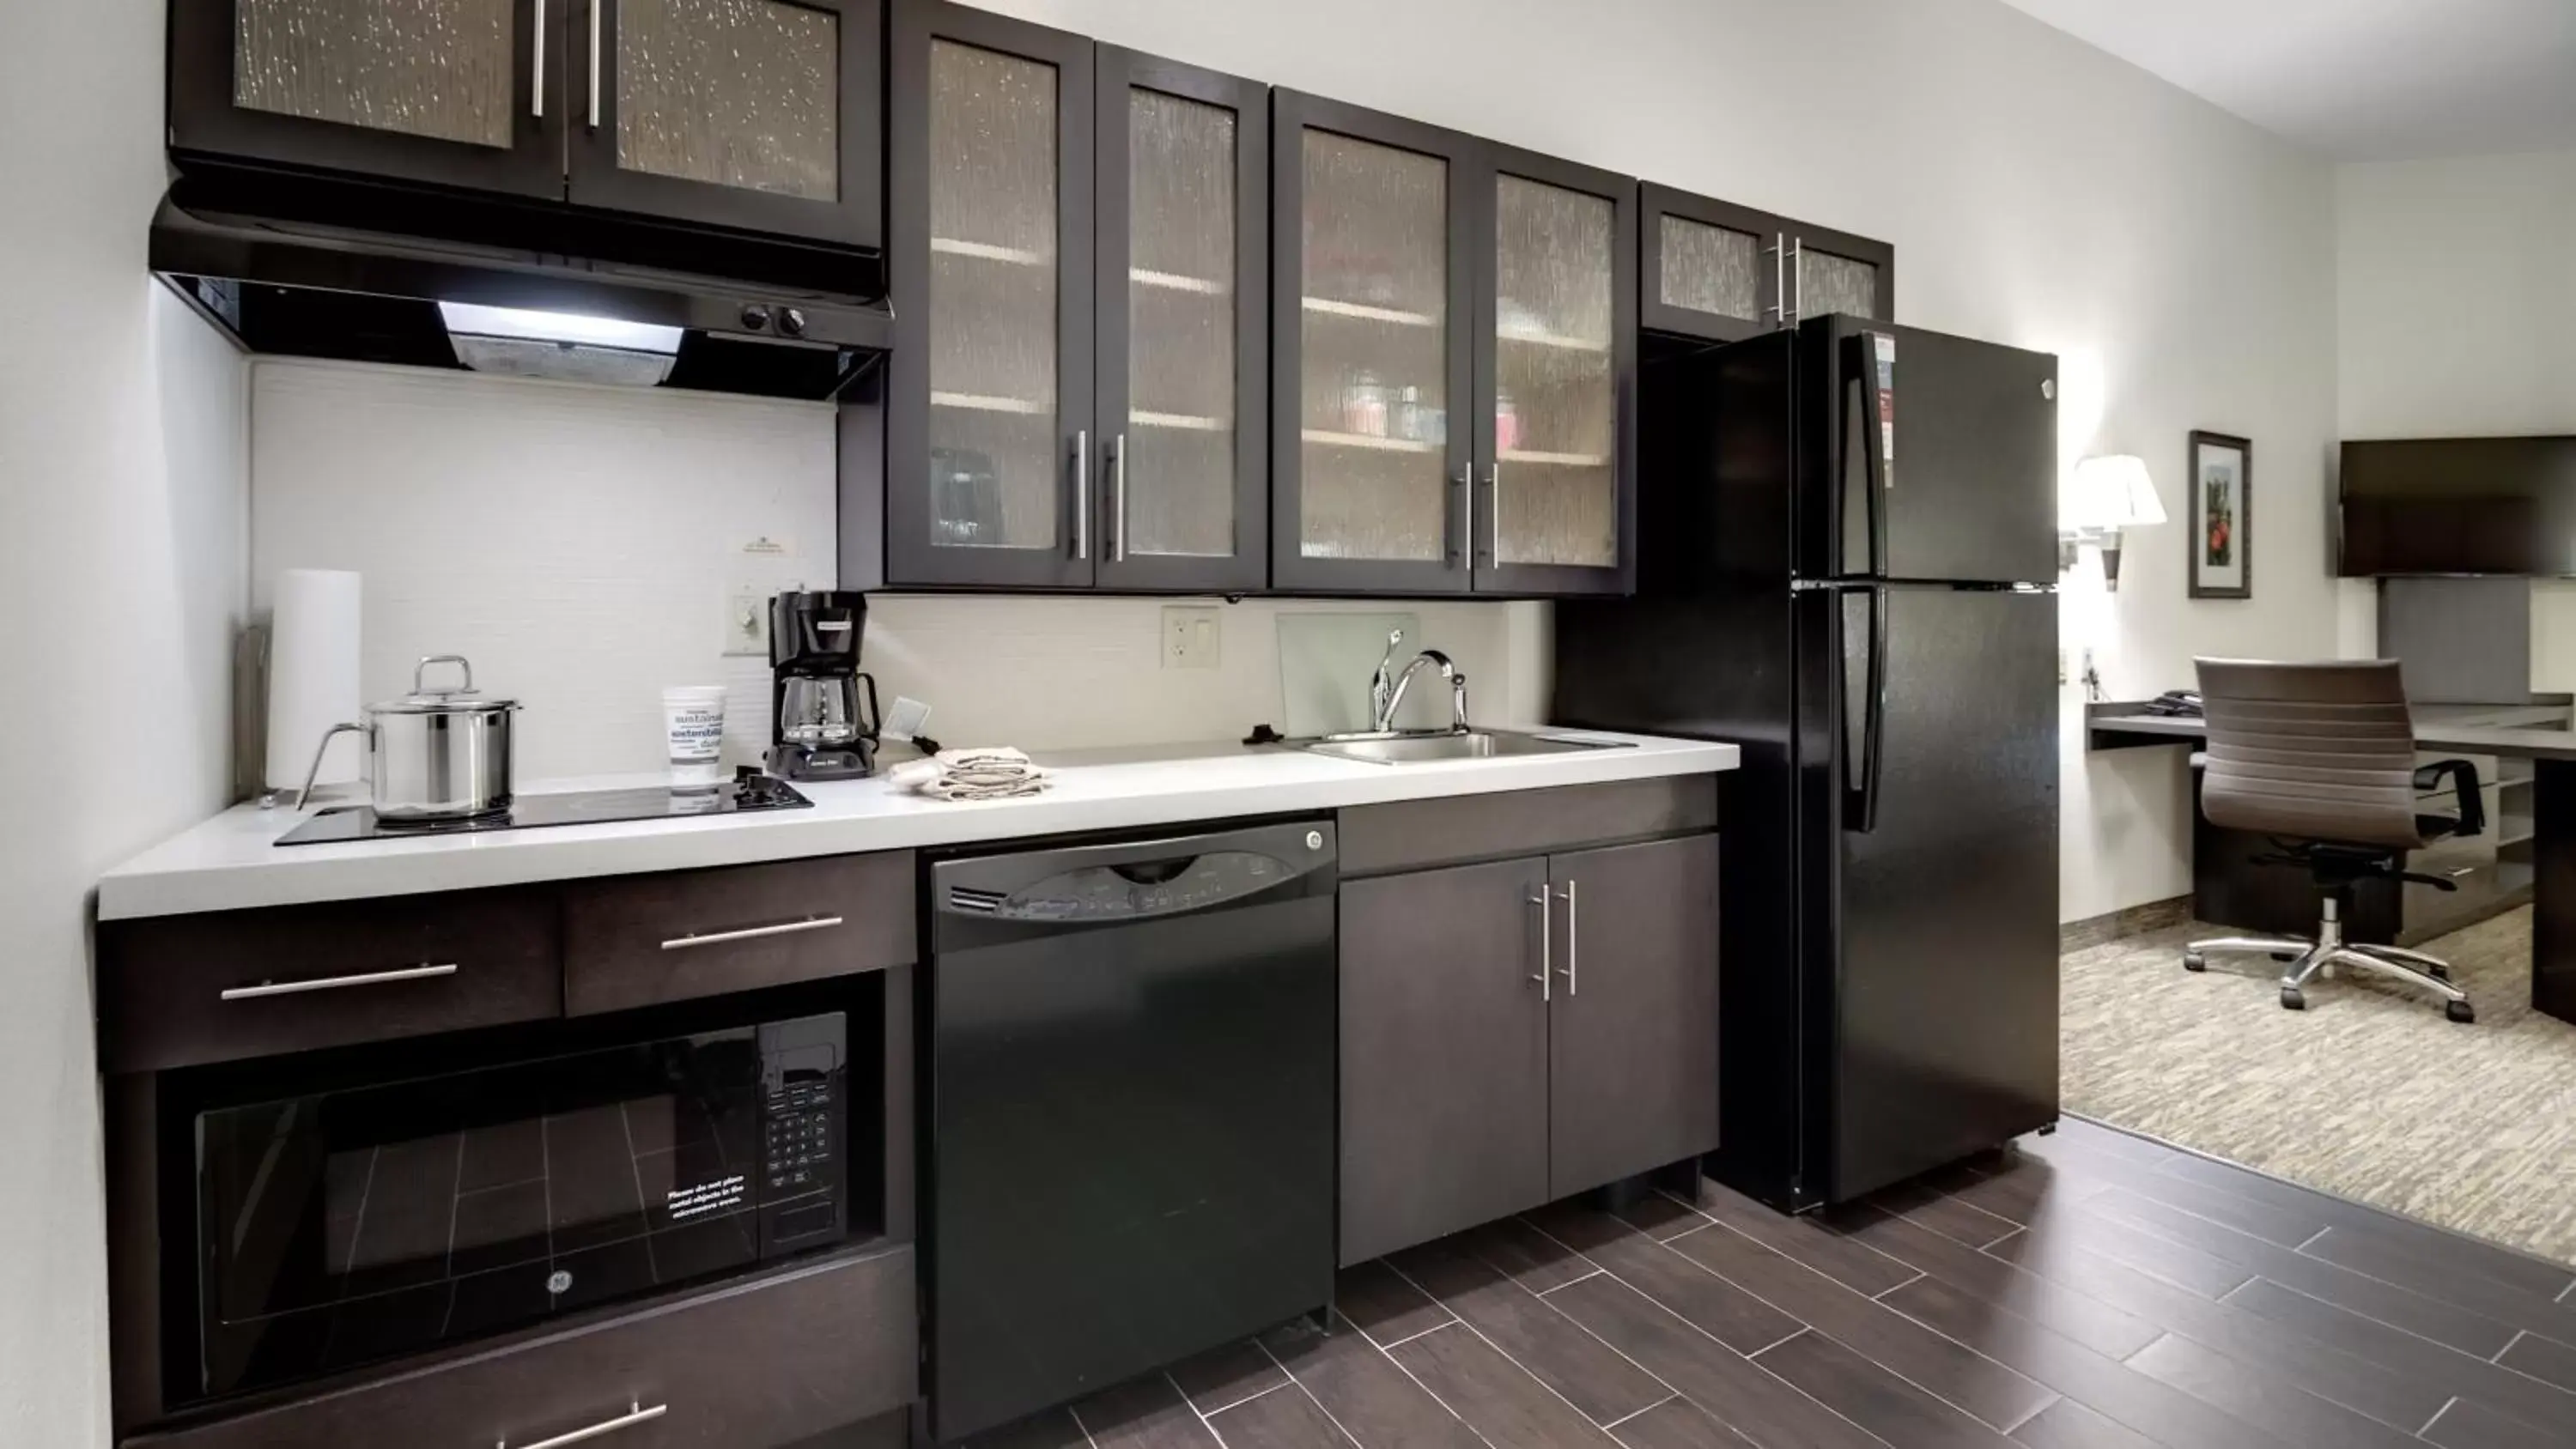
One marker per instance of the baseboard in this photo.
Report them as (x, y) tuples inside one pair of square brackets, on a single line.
[(2127, 921)]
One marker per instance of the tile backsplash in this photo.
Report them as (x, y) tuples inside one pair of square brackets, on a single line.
[(579, 544)]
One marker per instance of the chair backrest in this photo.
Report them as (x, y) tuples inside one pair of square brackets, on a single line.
[(2321, 751)]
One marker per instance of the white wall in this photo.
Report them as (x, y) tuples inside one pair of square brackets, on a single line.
[(579, 544), (121, 539), (2038, 192), (2456, 317)]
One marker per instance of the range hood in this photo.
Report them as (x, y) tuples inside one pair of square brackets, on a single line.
[(524, 292)]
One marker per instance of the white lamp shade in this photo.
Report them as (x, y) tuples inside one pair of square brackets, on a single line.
[(2111, 491)]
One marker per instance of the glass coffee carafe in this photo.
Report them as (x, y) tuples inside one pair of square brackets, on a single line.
[(822, 711)]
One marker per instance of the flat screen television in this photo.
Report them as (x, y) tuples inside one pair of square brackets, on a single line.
[(2503, 506)]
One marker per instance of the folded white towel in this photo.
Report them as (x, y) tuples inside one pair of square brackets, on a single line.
[(987, 773)]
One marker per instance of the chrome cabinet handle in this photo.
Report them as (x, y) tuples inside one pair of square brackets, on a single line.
[(537, 62), (1778, 251), (595, 7), (1798, 276), (1082, 493), (752, 933), (334, 983), (1573, 950), (1546, 941), (635, 1414), (1467, 531), (1494, 513), (1118, 498)]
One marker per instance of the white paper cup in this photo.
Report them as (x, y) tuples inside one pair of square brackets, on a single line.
[(693, 718)]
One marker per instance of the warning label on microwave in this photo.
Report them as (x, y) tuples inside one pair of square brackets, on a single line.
[(707, 1197)]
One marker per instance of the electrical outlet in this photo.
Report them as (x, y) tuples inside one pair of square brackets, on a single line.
[(1191, 636), (746, 621)]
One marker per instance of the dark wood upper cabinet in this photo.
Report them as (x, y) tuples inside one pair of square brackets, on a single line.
[(1455, 358), (753, 115), (1714, 270), (1078, 394), (466, 93), (1182, 384), (760, 115), (989, 454), (1373, 273), (1556, 366)]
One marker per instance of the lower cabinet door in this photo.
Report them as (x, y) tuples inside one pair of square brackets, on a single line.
[(1633, 1045), (771, 1362), (1444, 1034)]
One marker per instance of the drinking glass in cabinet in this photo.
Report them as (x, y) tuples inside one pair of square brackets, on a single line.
[(995, 446), (1373, 327), (1555, 481), (1178, 463)]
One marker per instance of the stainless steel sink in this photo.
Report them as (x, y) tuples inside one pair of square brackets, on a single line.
[(1408, 749)]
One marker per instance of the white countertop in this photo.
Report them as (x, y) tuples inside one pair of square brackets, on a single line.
[(233, 861)]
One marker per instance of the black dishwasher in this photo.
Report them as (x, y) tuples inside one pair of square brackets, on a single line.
[(1131, 1115)]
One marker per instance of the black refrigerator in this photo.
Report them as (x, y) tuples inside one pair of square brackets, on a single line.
[(1847, 533)]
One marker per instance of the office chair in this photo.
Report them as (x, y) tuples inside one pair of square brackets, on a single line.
[(2320, 758)]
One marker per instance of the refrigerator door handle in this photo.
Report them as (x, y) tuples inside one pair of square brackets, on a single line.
[(1860, 368), (1860, 798)]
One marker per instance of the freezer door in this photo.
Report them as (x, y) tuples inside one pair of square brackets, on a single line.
[(1932, 457), (1941, 922)]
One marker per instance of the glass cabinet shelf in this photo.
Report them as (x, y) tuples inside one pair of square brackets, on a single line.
[(1180, 422), (1325, 438), (1555, 460), (1362, 311), (1557, 340), (1175, 282), (949, 246), (986, 403)]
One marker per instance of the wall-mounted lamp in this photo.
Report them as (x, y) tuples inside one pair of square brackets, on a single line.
[(2101, 497)]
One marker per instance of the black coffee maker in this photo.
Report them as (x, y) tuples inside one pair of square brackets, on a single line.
[(818, 730)]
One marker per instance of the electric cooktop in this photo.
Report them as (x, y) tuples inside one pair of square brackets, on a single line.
[(748, 790)]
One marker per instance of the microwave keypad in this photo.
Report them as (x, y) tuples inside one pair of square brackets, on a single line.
[(799, 1131)]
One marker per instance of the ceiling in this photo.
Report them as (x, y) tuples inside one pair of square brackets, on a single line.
[(2357, 80)]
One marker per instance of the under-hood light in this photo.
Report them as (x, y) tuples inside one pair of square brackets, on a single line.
[(566, 327)]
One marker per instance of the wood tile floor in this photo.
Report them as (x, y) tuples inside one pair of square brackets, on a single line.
[(2087, 1290)]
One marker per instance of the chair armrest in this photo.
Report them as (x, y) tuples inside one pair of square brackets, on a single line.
[(2464, 787)]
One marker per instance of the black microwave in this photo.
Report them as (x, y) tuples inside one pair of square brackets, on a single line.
[(349, 1207)]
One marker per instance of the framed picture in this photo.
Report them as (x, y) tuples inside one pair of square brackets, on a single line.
[(2222, 517)]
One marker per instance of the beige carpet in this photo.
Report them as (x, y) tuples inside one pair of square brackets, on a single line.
[(2369, 1093)]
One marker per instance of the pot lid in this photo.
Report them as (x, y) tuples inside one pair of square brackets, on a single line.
[(458, 698)]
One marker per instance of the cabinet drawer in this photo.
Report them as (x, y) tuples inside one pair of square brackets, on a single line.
[(757, 1366), (636, 940), (176, 991)]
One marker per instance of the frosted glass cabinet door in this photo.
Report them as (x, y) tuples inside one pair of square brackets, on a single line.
[(991, 460), (1374, 277), (1182, 376), (465, 92), (755, 114), (1711, 269), (1553, 379)]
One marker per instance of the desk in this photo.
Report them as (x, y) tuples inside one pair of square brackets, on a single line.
[(2506, 732)]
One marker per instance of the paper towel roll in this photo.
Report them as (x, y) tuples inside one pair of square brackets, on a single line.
[(312, 675)]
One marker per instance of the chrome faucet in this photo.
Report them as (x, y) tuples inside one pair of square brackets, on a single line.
[(1383, 706), (1382, 684)]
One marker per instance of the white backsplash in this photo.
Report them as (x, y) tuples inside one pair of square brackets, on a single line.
[(578, 544)]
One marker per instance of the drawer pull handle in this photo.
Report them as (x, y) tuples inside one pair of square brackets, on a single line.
[(635, 1414), (753, 933), (334, 983)]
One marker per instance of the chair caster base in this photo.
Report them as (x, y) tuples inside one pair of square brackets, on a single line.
[(2293, 998), (2194, 961), (2459, 1011)]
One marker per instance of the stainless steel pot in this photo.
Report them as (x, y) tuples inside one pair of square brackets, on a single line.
[(434, 754)]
